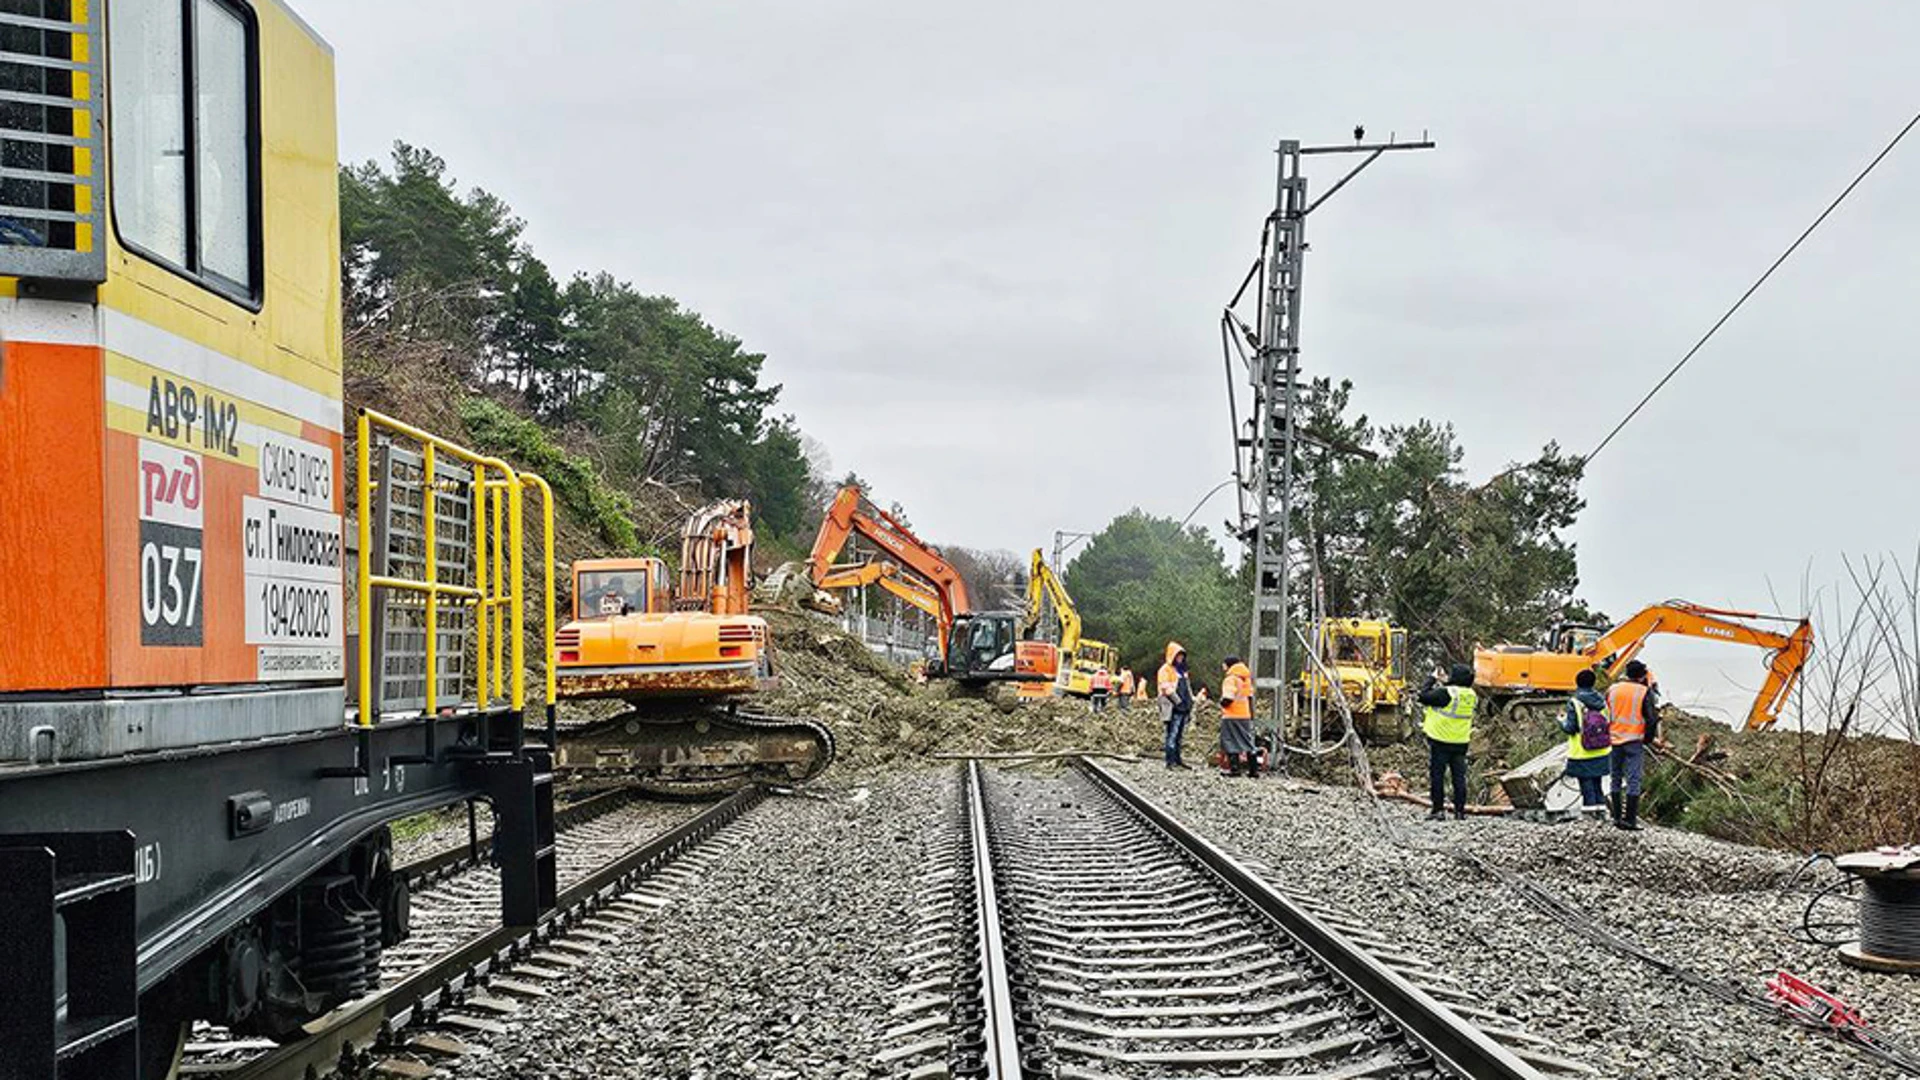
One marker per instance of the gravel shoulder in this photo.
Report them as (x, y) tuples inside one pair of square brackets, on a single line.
[(1715, 907), (778, 961)]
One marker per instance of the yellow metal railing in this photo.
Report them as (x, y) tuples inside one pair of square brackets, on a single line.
[(497, 595)]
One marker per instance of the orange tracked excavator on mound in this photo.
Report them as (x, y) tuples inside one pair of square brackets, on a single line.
[(1511, 677), (682, 655), (976, 647)]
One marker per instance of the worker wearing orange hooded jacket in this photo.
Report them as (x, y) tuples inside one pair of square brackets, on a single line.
[(1176, 701), (1236, 719)]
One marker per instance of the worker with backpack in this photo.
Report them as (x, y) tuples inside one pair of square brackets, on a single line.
[(1589, 741)]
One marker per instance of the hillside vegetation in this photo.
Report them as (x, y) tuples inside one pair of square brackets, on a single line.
[(635, 408)]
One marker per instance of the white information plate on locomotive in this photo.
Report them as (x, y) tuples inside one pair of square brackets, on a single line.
[(293, 560)]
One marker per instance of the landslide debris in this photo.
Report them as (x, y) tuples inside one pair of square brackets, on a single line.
[(880, 717)]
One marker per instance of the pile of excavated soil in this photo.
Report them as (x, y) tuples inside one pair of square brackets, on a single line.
[(880, 717)]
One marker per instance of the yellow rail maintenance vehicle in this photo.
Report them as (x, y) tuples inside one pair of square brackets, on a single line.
[(193, 808)]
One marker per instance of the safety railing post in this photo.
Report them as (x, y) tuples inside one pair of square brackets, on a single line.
[(516, 531), (363, 572), (479, 503), (429, 498), (500, 587)]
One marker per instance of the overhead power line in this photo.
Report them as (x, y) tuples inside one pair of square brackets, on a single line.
[(1751, 289)]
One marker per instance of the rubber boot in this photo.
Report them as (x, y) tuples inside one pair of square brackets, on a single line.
[(1632, 821), (1253, 765), (1613, 806), (1233, 765)]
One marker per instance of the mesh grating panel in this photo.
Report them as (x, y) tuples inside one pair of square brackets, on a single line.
[(400, 537), (50, 88)]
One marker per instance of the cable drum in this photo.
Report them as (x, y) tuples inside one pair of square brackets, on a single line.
[(1889, 909), (1890, 919)]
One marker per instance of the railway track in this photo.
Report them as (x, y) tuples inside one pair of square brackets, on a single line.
[(610, 847), (1074, 930)]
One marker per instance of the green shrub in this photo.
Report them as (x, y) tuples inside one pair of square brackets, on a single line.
[(576, 483)]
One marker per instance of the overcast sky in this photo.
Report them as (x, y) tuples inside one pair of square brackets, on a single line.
[(984, 246)]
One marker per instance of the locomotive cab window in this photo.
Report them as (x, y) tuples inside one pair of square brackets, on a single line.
[(182, 138)]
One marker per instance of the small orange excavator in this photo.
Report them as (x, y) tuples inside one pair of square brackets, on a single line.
[(976, 647), (683, 656), (1515, 677)]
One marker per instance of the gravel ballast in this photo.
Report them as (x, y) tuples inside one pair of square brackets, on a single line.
[(779, 960), (1715, 907)]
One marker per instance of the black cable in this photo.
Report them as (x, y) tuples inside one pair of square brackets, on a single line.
[(1755, 287)]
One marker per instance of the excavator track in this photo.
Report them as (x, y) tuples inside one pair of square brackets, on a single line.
[(699, 751)]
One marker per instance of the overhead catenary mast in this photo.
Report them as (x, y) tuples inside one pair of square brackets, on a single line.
[(1264, 451)]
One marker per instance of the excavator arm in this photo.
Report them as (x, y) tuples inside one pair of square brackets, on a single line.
[(1787, 653), (887, 576), (850, 515), (1043, 585), (716, 559)]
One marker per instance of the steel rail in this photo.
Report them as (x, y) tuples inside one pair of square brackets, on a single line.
[(1453, 1042), (358, 1026), (431, 869), (1002, 1057)]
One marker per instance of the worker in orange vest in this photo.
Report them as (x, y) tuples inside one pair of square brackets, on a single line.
[(1236, 719), (1633, 715), (1176, 702), (1099, 687), (1126, 687)]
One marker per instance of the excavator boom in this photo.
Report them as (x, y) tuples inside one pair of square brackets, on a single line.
[(850, 515), (1787, 653), (1513, 671), (1044, 585), (887, 576), (716, 556)]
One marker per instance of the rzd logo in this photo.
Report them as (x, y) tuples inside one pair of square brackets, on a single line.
[(172, 512), (170, 492)]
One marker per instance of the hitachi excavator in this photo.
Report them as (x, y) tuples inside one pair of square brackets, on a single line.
[(1080, 656), (976, 647), (682, 656), (1515, 677)]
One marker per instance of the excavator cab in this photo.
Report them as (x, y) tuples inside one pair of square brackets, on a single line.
[(603, 588), (1574, 637), (985, 646)]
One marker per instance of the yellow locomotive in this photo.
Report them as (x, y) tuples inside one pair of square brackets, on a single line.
[(192, 811)]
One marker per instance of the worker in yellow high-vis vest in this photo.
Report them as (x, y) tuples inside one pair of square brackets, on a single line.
[(1448, 726)]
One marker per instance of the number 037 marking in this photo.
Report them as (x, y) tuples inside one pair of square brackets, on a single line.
[(170, 590)]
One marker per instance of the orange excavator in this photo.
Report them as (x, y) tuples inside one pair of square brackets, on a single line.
[(1515, 677), (976, 647), (683, 656)]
